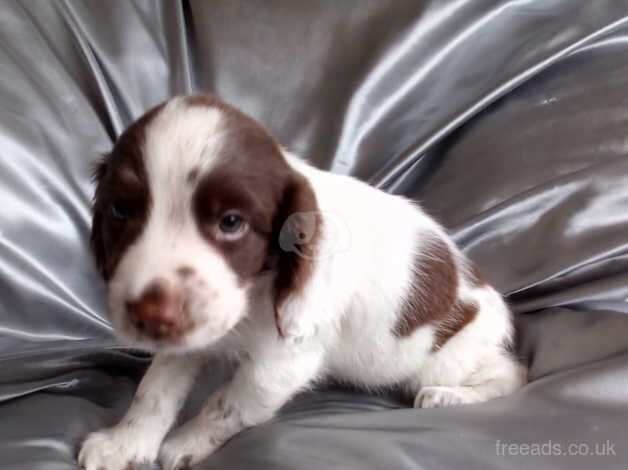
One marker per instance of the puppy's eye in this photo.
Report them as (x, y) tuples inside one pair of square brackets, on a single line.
[(231, 224), (118, 210)]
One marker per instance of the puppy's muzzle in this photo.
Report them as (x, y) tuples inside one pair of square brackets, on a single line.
[(160, 312)]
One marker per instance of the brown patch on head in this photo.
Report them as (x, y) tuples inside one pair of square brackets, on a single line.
[(127, 179), (432, 294), (254, 180), (248, 180), (461, 315), (122, 196)]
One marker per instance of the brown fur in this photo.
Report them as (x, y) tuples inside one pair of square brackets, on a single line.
[(432, 298), (461, 315), (255, 180), (121, 179), (295, 270), (160, 312), (258, 180), (432, 294)]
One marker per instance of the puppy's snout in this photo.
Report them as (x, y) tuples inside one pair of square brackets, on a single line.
[(159, 312)]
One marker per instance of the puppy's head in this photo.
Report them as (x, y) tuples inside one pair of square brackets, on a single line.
[(187, 212)]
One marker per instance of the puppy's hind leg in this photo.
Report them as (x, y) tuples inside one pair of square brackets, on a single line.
[(495, 376)]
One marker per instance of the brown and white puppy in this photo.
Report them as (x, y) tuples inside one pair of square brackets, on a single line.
[(214, 240)]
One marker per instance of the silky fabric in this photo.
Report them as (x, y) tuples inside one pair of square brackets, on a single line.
[(506, 120)]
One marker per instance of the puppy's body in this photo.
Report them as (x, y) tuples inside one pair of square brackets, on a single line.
[(328, 277)]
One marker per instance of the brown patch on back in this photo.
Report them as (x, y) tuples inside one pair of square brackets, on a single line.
[(461, 315), (432, 293), (432, 298)]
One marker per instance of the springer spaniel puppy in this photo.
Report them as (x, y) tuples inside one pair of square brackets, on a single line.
[(215, 241)]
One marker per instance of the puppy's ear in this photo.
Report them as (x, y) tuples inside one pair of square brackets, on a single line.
[(96, 238), (297, 231)]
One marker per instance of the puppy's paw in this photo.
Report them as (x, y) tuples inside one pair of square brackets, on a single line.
[(184, 449), (438, 397), (110, 449)]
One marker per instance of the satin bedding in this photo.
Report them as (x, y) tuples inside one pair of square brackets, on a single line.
[(507, 120)]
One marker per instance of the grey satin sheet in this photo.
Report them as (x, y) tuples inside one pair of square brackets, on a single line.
[(507, 120)]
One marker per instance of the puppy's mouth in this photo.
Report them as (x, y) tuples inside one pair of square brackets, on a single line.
[(159, 321), (193, 330), (176, 313)]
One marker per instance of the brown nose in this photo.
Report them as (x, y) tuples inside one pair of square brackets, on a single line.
[(158, 312)]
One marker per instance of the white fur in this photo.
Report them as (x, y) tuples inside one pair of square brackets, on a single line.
[(137, 437), (341, 324)]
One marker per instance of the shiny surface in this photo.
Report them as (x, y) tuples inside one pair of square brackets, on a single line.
[(508, 120)]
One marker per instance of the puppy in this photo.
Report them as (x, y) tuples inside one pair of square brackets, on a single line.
[(214, 241)]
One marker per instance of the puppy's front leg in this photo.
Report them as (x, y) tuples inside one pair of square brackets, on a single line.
[(136, 438), (259, 388)]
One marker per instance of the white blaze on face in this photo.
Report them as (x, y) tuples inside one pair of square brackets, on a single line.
[(181, 141)]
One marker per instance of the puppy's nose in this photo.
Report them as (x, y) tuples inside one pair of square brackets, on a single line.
[(158, 311)]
